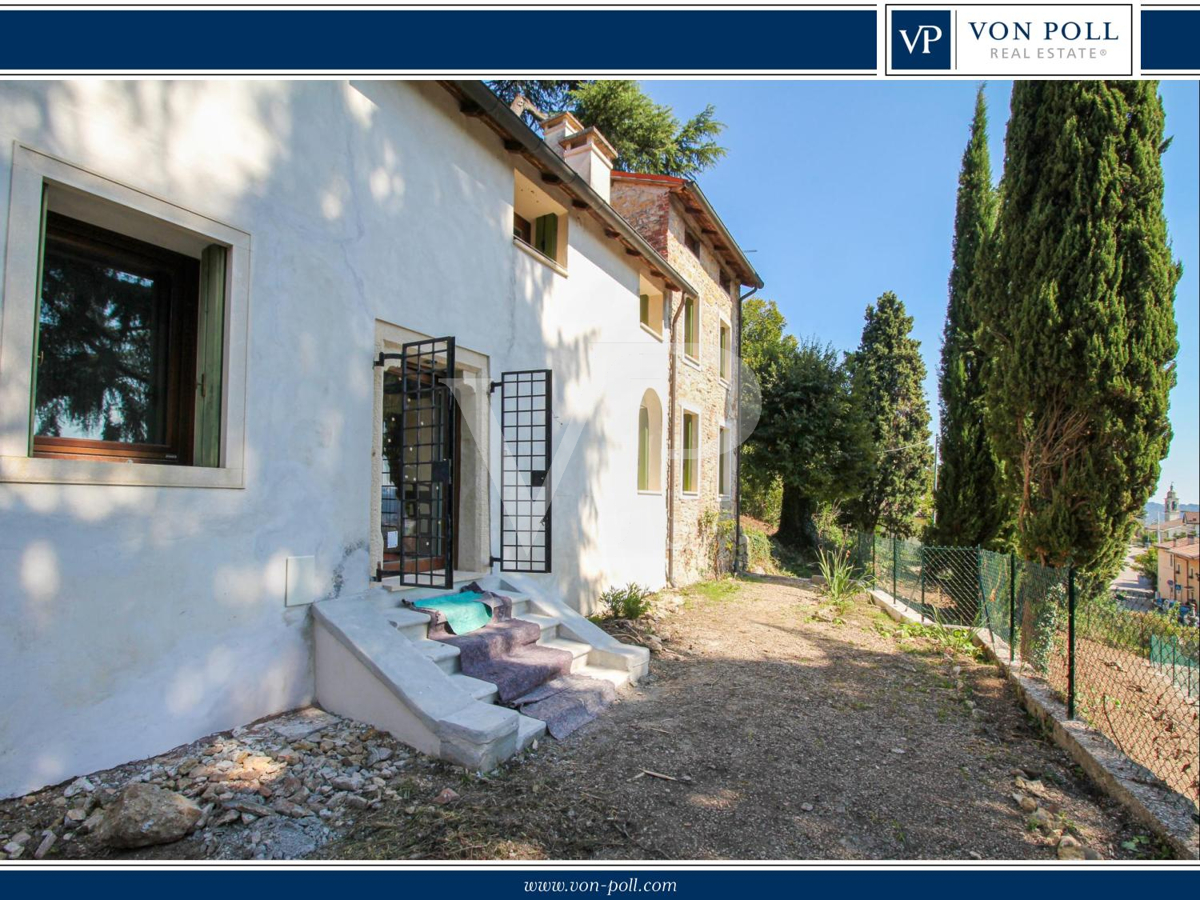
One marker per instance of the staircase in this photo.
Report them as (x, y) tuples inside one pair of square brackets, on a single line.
[(375, 663)]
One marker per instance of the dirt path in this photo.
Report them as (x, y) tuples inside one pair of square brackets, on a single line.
[(795, 730)]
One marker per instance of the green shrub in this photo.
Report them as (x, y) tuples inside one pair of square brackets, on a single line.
[(1047, 615), (838, 571), (629, 602)]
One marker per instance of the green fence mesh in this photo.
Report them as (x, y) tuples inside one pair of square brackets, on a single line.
[(1130, 671)]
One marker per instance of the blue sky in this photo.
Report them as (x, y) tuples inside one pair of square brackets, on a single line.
[(845, 190)]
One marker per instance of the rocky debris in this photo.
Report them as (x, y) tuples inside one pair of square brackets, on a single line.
[(48, 840), (1027, 803), (278, 789), (1069, 847), (15, 848), (446, 796), (145, 815), (78, 786)]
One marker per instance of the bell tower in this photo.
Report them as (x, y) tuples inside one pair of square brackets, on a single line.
[(1171, 505)]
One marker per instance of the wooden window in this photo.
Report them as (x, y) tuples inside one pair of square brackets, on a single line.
[(545, 235), (691, 328), (522, 228), (724, 364), (643, 476), (128, 356), (723, 463), (691, 455), (692, 243), (726, 282)]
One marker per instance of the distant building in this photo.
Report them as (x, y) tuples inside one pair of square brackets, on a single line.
[(1174, 523), (1179, 570)]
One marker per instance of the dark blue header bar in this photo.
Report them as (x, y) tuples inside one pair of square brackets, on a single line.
[(1171, 40), (405, 41)]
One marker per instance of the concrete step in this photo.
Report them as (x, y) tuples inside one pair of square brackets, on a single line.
[(483, 691), (579, 651), (413, 625), (548, 624), (444, 655), (617, 677), (528, 731)]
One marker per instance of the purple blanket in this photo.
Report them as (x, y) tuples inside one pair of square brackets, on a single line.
[(506, 653)]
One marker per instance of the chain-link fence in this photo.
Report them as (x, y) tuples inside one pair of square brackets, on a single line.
[(1130, 672)]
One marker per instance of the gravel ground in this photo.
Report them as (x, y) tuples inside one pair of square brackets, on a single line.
[(787, 728), (773, 725)]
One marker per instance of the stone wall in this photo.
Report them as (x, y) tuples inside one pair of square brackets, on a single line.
[(700, 388)]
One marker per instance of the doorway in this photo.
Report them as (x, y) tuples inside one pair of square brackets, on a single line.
[(421, 464)]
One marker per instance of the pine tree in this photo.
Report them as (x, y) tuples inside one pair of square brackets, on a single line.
[(888, 373), (1078, 306), (646, 135), (969, 504)]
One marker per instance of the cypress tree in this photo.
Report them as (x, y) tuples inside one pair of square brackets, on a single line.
[(888, 372), (968, 502), (1078, 304)]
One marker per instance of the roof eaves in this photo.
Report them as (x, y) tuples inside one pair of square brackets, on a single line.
[(478, 101)]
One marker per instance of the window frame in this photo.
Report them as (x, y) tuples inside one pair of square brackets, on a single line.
[(32, 171), (177, 447), (724, 467), (725, 351), (557, 262), (696, 343), (694, 458)]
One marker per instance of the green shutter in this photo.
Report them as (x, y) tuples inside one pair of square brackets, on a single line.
[(37, 317), (644, 311), (643, 449), (689, 328), (210, 356), (724, 352), (689, 453), (545, 236), (723, 468)]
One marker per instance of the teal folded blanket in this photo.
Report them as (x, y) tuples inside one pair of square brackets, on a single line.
[(464, 613)]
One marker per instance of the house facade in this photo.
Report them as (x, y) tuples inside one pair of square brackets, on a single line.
[(272, 347), (1179, 571), (706, 376)]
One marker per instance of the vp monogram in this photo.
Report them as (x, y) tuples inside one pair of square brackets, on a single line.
[(921, 39), (926, 34)]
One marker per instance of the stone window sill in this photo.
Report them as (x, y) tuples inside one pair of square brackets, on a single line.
[(657, 335), (540, 256), (35, 470)]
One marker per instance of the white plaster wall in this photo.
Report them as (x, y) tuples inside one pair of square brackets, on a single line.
[(133, 619)]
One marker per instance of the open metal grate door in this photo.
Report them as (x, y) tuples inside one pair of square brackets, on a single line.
[(419, 445), (525, 416)]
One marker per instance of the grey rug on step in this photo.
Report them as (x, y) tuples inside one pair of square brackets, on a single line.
[(507, 654), (567, 702)]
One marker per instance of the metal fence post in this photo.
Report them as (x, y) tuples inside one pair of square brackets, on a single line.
[(895, 566), (1012, 605), (874, 569), (922, 577), (1071, 643)]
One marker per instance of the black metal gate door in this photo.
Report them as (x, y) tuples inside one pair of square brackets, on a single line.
[(419, 446), (525, 416)]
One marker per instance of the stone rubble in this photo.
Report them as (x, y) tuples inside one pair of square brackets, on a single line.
[(1043, 816), (278, 789)]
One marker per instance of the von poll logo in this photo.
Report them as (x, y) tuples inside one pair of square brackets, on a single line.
[(1014, 39), (921, 39)]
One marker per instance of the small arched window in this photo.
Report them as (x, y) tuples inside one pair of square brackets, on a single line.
[(649, 466)]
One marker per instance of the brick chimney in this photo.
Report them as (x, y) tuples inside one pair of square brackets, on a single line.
[(585, 150)]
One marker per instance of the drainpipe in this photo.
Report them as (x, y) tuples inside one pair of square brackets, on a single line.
[(671, 391), (737, 453)]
